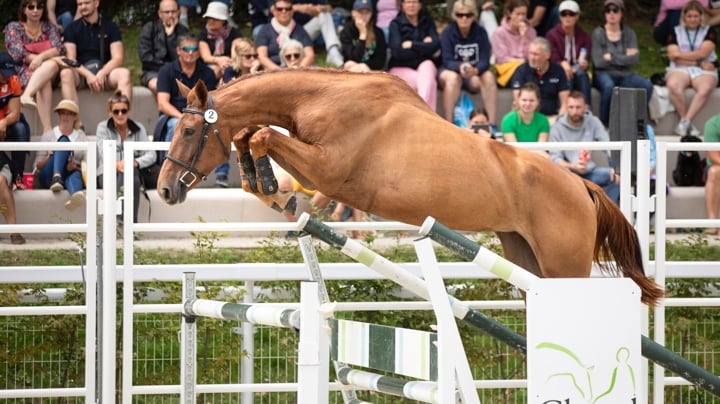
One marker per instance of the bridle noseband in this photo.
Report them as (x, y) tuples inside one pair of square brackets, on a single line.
[(210, 116)]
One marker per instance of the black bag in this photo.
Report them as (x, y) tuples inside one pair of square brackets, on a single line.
[(690, 168), (149, 176)]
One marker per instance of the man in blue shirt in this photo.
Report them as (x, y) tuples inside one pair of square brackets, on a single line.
[(549, 76)]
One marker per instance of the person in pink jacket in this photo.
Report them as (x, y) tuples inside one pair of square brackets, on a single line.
[(511, 40)]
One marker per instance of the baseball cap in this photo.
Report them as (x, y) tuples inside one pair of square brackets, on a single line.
[(217, 10), (619, 3), (569, 5), (360, 4), (67, 105), (7, 65)]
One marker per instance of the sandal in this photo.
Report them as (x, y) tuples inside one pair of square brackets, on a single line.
[(17, 238)]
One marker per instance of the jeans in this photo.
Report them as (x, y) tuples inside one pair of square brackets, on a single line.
[(602, 177), (57, 164), (65, 19), (580, 81), (220, 171), (606, 82), (18, 132)]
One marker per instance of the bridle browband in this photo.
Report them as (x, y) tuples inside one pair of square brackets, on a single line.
[(210, 116)]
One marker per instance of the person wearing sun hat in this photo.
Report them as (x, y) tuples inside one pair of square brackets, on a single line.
[(570, 48), (62, 169), (216, 37)]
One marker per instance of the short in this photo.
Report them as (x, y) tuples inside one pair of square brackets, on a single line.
[(692, 71), (5, 172), (465, 82), (147, 76)]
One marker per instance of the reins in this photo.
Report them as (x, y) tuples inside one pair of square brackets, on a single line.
[(210, 116)]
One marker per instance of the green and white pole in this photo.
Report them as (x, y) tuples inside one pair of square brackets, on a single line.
[(270, 315), (396, 273), (521, 278), (423, 391)]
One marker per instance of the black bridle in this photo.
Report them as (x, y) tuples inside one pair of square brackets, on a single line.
[(210, 116)]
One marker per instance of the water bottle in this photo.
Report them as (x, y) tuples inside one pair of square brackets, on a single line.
[(580, 59)]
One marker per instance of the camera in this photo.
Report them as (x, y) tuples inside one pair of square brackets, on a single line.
[(485, 126)]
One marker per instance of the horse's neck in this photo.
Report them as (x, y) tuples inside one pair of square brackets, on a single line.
[(256, 102)]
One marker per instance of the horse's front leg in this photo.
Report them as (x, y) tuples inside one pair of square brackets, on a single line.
[(266, 176), (245, 160)]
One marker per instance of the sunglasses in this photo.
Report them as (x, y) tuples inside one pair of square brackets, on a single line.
[(291, 56), (283, 9), (464, 15), (33, 7), (250, 56), (189, 49), (567, 14), (122, 111), (613, 10)]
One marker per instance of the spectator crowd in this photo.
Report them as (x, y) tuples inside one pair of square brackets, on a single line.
[(537, 49)]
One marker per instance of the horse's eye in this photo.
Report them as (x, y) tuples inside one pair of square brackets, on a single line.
[(189, 132)]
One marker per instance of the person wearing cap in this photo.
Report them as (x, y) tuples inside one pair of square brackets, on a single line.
[(13, 127), (465, 51), (614, 53), (570, 46), (363, 44), (62, 169), (272, 36), (95, 43), (157, 43), (34, 42), (693, 64), (216, 38)]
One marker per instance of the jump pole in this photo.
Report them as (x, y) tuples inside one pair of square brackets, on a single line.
[(409, 281), (521, 278)]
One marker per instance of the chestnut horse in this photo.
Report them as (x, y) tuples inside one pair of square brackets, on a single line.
[(368, 140)]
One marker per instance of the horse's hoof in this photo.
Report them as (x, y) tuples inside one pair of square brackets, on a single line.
[(291, 205)]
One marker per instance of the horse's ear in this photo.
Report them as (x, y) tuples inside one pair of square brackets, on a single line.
[(184, 90), (201, 92)]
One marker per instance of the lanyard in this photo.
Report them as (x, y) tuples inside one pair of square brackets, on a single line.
[(692, 42)]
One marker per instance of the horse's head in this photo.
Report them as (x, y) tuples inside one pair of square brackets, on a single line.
[(196, 147)]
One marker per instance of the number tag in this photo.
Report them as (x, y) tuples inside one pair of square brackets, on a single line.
[(211, 116)]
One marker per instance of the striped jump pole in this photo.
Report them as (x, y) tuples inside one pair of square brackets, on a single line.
[(251, 313), (424, 391), (521, 278), (396, 273)]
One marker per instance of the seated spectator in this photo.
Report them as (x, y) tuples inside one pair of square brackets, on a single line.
[(579, 125), (668, 18), (216, 38), (62, 169), (693, 63), (511, 40), (466, 60), (614, 52), (13, 127), (547, 75), (35, 42), (526, 124), (291, 54), (570, 45), (244, 60), (479, 123), (100, 61), (711, 133), (120, 128), (414, 44), (363, 44), (315, 18), (188, 69), (158, 42), (7, 200), (543, 15), (272, 36), (61, 13)]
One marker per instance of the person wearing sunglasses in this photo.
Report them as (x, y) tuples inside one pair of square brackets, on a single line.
[(415, 47), (34, 42), (614, 53), (466, 52), (272, 37), (291, 54), (363, 43), (95, 42), (693, 64), (216, 37), (62, 169), (120, 128), (570, 45), (244, 60), (157, 43)]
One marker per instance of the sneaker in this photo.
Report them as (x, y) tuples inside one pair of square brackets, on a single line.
[(694, 131), (221, 181), (17, 238), (57, 184), (76, 200), (682, 128), (334, 58)]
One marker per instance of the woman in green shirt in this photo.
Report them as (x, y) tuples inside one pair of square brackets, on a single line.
[(526, 124)]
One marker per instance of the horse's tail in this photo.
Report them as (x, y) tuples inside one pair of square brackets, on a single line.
[(616, 240)]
